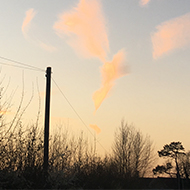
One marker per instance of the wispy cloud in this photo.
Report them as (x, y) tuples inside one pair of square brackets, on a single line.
[(27, 22), (86, 30), (170, 35), (110, 72), (26, 26), (96, 128), (3, 112), (47, 47), (144, 2), (85, 27)]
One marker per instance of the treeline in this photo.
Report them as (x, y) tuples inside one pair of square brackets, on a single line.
[(73, 162)]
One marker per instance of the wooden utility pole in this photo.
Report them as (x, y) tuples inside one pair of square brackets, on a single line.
[(47, 116)]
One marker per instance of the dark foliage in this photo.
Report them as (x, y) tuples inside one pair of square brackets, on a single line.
[(72, 162)]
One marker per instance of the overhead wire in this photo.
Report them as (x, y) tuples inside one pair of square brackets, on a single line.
[(7, 64), (23, 64), (30, 67), (76, 113)]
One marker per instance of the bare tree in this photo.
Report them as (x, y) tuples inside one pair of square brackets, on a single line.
[(132, 152), (184, 165)]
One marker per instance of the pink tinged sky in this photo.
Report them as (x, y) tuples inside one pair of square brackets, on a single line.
[(110, 72), (26, 26), (171, 35), (96, 128), (86, 30), (144, 2), (144, 97), (27, 21), (85, 26)]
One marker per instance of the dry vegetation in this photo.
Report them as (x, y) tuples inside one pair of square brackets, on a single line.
[(73, 163)]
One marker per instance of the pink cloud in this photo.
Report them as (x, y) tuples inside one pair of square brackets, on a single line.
[(47, 47), (27, 21), (96, 128), (85, 27), (171, 35), (26, 26), (144, 2), (110, 72)]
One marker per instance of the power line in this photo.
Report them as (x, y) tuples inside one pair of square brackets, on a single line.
[(76, 112), (20, 67), (23, 64), (30, 67)]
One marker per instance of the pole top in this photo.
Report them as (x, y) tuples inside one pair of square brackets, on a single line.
[(48, 71)]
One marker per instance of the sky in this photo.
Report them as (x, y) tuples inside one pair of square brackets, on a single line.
[(112, 60)]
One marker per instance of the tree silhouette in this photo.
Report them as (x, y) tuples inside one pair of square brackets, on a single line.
[(132, 152), (163, 169), (173, 150)]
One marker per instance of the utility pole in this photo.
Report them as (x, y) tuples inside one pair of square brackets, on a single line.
[(47, 116)]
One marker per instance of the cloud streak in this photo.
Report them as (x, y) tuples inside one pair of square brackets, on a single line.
[(85, 29), (110, 72), (95, 128), (26, 26), (3, 112), (171, 35), (27, 22), (47, 47), (144, 2)]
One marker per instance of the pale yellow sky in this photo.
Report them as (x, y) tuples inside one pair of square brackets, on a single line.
[(149, 86)]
